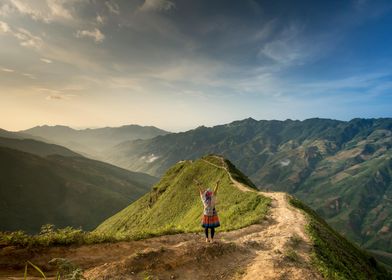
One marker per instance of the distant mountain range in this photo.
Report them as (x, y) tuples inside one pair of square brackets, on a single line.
[(43, 183), (91, 142), (342, 169)]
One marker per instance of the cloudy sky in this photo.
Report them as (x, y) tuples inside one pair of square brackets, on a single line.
[(178, 64)]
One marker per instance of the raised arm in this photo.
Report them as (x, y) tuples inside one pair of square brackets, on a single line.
[(198, 184), (216, 187)]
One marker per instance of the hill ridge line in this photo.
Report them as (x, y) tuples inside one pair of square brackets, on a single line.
[(239, 185)]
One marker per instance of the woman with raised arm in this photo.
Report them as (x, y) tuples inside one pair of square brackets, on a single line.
[(210, 218)]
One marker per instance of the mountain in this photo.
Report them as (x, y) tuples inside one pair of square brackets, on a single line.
[(18, 135), (174, 203), (36, 147), (61, 190), (92, 142), (341, 169), (281, 238)]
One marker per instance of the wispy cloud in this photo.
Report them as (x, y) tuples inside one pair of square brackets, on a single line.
[(58, 10), (45, 60), (28, 75), (40, 10), (57, 96), (4, 27), (53, 94), (27, 39), (100, 19), (113, 7), (7, 70), (157, 5), (95, 34), (287, 48), (54, 97)]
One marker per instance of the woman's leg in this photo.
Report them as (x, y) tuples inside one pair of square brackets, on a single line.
[(212, 233), (206, 232)]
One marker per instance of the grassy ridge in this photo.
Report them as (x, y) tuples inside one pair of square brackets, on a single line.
[(334, 256), (174, 203)]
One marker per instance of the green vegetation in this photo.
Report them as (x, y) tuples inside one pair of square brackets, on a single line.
[(65, 191), (50, 236), (174, 203), (334, 256), (35, 267), (343, 170), (65, 270)]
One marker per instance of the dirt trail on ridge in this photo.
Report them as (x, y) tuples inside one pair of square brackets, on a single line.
[(277, 248)]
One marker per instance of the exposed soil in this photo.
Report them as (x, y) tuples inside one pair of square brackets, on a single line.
[(278, 248)]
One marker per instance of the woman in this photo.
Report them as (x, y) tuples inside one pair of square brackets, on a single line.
[(210, 218)]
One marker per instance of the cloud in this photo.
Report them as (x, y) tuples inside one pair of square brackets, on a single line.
[(7, 70), (28, 75), (27, 39), (45, 60), (42, 10), (157, 5), (4, 27), (287, 48), (95, 34), (5, 10), (54, 97), (113, 7), (53, 94), (57, 9), (100, 19), (58, 96)]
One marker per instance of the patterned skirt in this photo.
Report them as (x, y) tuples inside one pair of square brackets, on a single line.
[(210, 221)]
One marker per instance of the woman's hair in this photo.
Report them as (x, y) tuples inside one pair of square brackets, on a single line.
[(207, 194)]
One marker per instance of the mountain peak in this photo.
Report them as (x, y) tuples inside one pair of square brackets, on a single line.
[(177, 191)]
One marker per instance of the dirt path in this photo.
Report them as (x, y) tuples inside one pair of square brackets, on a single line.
[(278, 248), (284, 239)]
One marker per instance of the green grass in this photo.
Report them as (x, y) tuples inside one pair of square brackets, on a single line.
[(65, 270), (334, 256), (56, 237), (174, 203), (70, 236)]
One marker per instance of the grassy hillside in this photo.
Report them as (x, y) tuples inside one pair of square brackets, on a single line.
[(357, 201), (174, 203), (64, 191), (341, 169), (334, 256), (36, 147)]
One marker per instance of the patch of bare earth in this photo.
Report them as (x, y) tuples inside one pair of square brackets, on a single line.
[(277, 248)]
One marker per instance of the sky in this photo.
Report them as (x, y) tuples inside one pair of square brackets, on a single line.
[(179, 64)]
